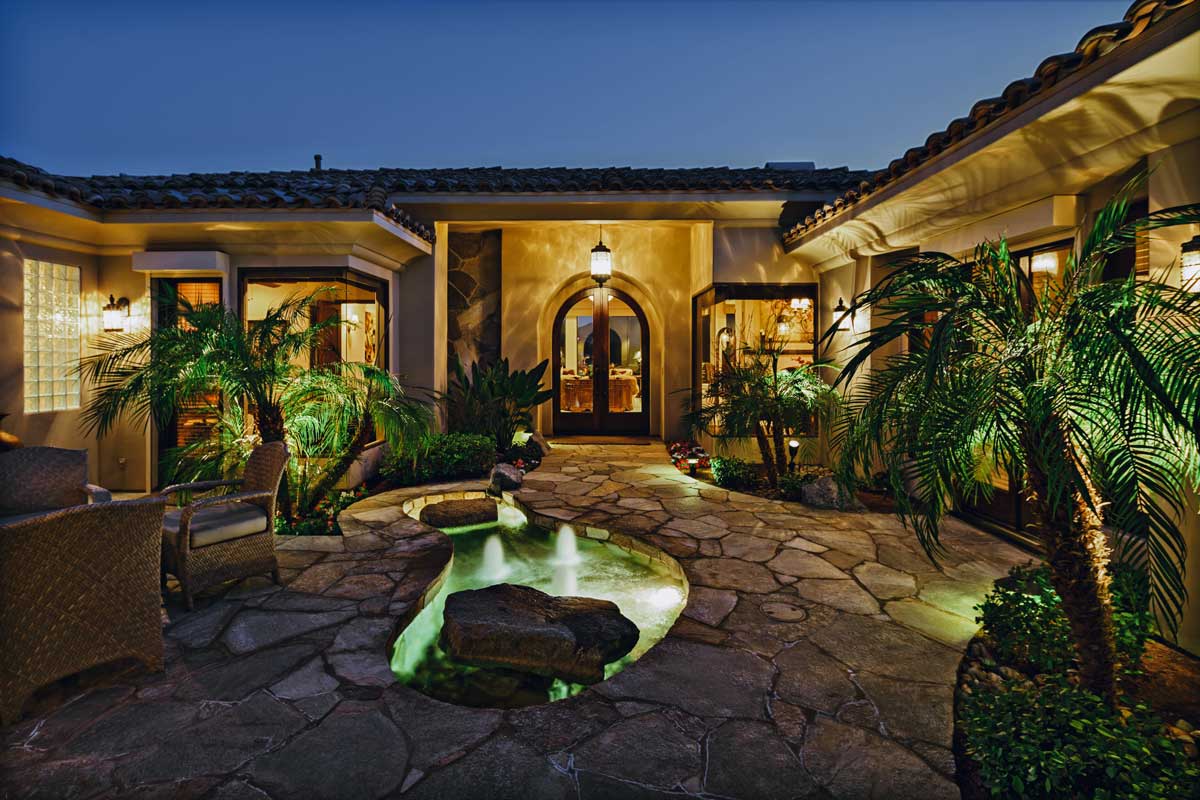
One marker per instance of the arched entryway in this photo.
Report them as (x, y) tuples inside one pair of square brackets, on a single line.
[(601, 364)]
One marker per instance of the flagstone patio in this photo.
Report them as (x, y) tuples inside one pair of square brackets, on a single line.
[(816, 657)]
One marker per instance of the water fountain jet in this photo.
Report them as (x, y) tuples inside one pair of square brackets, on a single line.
[(566, 550), (495, 567)]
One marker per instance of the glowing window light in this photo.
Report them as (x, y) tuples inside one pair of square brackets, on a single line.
[(1045, 263)]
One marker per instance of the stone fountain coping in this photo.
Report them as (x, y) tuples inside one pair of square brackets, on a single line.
[(781, 653)]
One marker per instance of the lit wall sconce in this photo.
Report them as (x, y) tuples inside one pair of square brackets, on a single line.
[(1189, 264), (115, 313), (841, 318), (601, 261)]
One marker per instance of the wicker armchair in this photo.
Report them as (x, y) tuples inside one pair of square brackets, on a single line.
[(217, 539), (78, 587), (38, 479)]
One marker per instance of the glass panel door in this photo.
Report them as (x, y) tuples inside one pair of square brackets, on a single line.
[(576, 384), (601, 365)]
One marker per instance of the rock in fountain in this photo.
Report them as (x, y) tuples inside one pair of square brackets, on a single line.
[(520, 628), (456, 513)]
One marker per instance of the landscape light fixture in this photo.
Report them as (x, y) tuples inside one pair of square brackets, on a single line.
[(115, 313), (1189, 264), (601, 261), (692, 463), (793, 450), (841, 318)]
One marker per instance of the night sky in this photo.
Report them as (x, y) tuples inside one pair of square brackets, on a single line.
[(105, 87)]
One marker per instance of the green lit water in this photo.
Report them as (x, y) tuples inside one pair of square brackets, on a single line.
[(648, 596)]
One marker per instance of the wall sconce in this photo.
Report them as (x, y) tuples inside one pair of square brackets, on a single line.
[(115, 314), (841, 318), (1189, 264), (601, 261)]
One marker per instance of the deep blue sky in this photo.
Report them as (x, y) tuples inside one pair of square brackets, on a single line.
[(102, 87)]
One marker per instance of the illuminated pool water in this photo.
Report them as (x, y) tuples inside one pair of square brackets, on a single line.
[(558, 563)]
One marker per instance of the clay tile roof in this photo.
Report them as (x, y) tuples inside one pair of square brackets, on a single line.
[(371, 188), (1095, 44), (345, 190)]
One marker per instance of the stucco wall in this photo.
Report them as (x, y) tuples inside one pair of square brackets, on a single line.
[(543, 264)]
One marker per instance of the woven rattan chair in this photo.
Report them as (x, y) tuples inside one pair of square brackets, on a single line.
[(78, 587), (216, 539), (38, 479)]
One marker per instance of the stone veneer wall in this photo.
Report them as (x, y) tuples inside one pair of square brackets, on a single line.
[(473, 296)]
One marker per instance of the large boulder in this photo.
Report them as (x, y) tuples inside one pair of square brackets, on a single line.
[(506, 478), (456, 513), (520, 628), (823, 493)]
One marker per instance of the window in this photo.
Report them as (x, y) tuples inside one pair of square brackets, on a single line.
[(730, 317), (356, 299), (51, 336)]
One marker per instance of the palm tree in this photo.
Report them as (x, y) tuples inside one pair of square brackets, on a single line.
[(251, 365), (751, 397), (1088, 391)]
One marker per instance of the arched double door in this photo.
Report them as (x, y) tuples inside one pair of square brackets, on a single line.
[(601, 365)]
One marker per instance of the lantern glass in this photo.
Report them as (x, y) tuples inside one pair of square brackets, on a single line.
[(114, 313), (601, 263)]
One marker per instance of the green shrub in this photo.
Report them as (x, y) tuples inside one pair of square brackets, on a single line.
[(733, 473), (442, 457), (1060, 741), (791, 483), (1024, 618), (493, 399)]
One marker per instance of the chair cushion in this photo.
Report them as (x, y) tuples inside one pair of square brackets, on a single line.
[(220, 523)]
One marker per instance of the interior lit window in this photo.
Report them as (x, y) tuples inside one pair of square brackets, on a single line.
[(355, 299), (51, 320)]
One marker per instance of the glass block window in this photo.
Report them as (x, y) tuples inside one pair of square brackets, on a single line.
[(51, 336)]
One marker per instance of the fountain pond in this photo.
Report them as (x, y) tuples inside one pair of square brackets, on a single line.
[(559, 563)]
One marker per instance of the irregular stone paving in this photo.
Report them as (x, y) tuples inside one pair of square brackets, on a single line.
[(815, 658)]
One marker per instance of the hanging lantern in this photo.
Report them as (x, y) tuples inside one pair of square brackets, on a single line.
[(601, 261), (1189, 264)]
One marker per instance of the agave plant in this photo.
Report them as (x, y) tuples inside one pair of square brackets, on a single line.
[(1087, 390), (494, 400), (751, 397), (330, 412)]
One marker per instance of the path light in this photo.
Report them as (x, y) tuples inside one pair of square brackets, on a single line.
[(692, 462), (115, 313), (1189, 264), (601, 261), (793, 450)]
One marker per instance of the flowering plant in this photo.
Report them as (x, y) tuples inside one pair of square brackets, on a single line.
[(681, 451)]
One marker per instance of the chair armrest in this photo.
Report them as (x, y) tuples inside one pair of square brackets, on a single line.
[(198, 486), (236, 497), (98, 494)]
